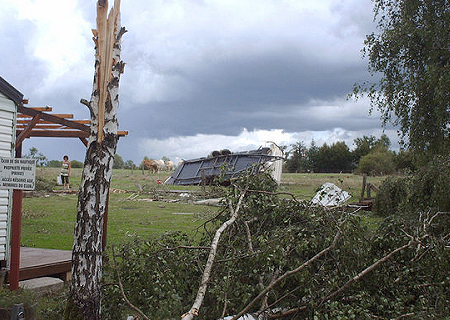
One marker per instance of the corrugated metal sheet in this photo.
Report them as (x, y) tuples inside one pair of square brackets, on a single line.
[(7, 135), (228, 165), (330, 195)]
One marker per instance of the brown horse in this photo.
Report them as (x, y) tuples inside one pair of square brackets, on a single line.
[(150, 165)]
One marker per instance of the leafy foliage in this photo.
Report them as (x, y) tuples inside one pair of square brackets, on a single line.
[(44, 184), (327, 158), (129, 164), (429, 188), (334, 158), (34, 153), (298, 160), (118, 162), (393, 192), (378, 162), (275, 234), (404, 161), (368, 144), (424, 191), (158, 276), (411, 53), (76, 164), (337, 157), (54, 164)]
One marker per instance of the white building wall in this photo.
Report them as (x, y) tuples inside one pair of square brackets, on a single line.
[(8, 115), (277, 165)]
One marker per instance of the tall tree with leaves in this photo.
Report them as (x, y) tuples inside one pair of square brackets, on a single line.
[(297, 161), (84, 300), (34, 153), (412, 54)]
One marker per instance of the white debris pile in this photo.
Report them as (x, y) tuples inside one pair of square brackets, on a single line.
[(330, 195)]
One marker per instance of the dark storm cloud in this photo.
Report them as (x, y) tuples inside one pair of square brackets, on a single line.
[(270, 75), (266, 90), (197, 68)]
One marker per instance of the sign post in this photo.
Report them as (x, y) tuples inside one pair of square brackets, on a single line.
[(16, 174)]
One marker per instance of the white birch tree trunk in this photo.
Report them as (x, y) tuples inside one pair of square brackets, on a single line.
[(85, 298)]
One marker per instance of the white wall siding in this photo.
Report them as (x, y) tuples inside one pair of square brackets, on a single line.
[(7, 138)]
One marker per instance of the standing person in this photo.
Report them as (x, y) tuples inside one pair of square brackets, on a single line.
[(65, 172)]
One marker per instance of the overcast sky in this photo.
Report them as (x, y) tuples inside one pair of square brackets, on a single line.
[(200, 75)]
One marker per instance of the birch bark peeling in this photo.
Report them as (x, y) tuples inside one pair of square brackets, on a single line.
[(211, 257), (85, 293)]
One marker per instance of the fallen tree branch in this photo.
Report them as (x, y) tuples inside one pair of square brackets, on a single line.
[(366, 271), (244, 256), (288, 273), (122, 291), (348, 283), (278, 301), (406, 315), (212, 254), (181, 247), (250, 248), (286, 313), (225, 298), (275, 193)]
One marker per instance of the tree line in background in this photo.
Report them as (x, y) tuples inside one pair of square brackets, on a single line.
[(42, 161), (370, 156)]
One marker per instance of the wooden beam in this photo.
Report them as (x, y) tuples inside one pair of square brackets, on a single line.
[(42, 126), (50, 122), (45, 126), (24, 134), (84, 140), (58, 134), (63, 133), (59, 115), (46, 108), (52, 118)]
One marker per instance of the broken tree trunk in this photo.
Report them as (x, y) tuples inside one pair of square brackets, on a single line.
[(84, 299)]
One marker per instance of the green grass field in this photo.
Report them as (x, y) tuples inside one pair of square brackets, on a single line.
[(48, 219)]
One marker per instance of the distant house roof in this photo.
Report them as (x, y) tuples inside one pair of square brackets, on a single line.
[(10, 92)]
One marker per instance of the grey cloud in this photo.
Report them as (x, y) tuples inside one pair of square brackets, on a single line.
[(196, 69), (224, 96)]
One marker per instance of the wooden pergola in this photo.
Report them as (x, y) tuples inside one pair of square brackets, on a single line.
[(39, 122)]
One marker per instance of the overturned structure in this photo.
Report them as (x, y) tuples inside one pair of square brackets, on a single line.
[(228, 165)]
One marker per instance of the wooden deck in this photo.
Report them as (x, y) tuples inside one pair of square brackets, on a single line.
[(35, 263)]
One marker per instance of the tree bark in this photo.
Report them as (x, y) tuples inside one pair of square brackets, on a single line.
[(85, 299), (193, 312)]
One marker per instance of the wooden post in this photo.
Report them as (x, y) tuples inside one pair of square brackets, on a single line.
[(15, 234), (363, 188)]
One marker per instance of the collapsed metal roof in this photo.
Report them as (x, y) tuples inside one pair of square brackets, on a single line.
[(224, 163)]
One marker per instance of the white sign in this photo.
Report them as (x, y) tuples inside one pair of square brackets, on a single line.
[(17, 173)]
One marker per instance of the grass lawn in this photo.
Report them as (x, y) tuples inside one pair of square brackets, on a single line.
[(48, 221)]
